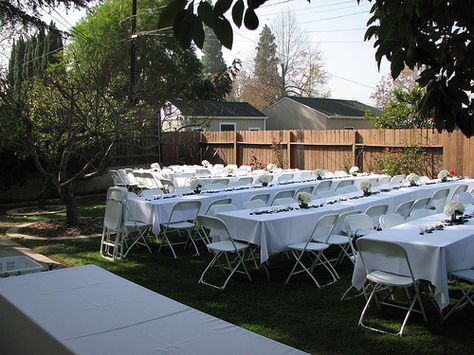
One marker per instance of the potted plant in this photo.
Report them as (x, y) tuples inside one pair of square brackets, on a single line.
[(443, 175), (196, 185), (413, 179), (304, 199), (365, 187), (354, 170), (453, 209)]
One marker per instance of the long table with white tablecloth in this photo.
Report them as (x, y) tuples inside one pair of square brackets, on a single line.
[(432, 255), (273, 232), (88, 310)]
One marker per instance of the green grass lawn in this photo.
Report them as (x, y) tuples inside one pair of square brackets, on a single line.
[(299, 314)]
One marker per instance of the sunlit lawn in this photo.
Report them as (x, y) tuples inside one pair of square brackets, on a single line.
[(299, 314)]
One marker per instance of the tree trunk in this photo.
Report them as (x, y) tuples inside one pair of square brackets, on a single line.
[(70, 201)]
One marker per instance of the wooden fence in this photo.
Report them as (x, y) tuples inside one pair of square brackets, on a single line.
[(325, 149)]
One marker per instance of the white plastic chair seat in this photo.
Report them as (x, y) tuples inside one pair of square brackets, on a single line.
[(179, 225), (467, 275), (227, 246), (338, 239), (389, 279), (310, 246), (136, 224)]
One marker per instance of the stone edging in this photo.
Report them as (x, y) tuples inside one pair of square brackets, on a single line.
[(14, 212), (13, 233)]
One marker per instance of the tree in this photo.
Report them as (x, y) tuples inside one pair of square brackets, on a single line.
[(430, 34), (401, 111), (301, 67), (212, 60), (384, 90), (27, 13)]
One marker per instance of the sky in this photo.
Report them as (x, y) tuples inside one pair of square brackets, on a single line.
[(336, 27)]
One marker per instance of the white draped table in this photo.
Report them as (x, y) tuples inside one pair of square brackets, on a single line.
[(432, 255), (274, 232), (87, 310)]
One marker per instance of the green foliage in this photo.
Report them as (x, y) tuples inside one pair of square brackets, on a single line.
[(212, 59), (410, 159), (402, 111)]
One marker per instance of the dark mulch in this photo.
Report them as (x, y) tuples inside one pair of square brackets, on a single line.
[(59, 228)]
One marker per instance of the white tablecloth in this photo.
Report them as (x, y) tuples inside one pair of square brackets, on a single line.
[(87, 310), (274, 232), (432, 256)]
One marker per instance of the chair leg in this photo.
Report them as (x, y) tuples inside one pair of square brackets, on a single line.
[(304, 268)]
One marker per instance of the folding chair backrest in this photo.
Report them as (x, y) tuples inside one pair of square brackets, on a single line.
[(264, 197), (253, 204), (328, 174), (358, 224), (421, 203), (390, 220), (123, 176), (420, 213), (214, 210), (151, 193), (246, 180), (323, 186), (223, 182), (117, 193), (464, 197), (341, 219), (404, 209), (285, 177), (216, 225), (460, 189), (393, 253), (113, 217), (374, 212), (221, 201), (326, 193), (344, 183), (283, 194), (440, 196), (187, 211), (384, 180), (308, 189), (324, 228), (347, 189), (424, 179), (397, 179), (283, 201), (305, 174), (340, 173), (168, 185)]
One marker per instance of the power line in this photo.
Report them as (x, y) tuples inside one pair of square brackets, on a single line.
[(334, 17), (318, 6), (351, 81), (313, 10)]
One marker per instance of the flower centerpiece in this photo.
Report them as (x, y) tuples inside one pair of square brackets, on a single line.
[(319, 173), (265, 179), (413, 179), (155, 166), (272, 166), (452, 173), (354, 170), (443, 175), (196, 185), (303, 198), (454, 209), (230, 170), (205, 163), (365, 187)]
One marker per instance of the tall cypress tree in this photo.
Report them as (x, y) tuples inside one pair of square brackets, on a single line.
[(266, 61), (212, 60)]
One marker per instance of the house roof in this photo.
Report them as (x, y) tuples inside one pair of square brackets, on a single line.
[(336, 107), (216, 108)]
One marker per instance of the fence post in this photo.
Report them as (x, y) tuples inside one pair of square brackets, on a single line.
[(288, 148), (235, 147), (354, 148)]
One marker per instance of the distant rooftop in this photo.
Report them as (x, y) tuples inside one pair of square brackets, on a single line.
[(216, 108), (336, 107)]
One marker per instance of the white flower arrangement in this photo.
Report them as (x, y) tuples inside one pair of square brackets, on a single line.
[(155, 166), (443, 174), (196, 184), (272, 166), (205, 163), (353, 170), (265, 179), (412, 177), (318, 172), (453, 207), (303, 197), (230, 170), (365, 185)]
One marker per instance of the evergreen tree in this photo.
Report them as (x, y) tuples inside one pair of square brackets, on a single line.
[(266, 61), (212, 60)]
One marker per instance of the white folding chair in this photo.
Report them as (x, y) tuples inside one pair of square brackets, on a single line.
[(229, 255), (343, 184), (251, 204), (343, 239), (264, 197), (459, 189), (182, 218), (390, 220), (247, 180), (467, 276), (326, 194), (151, 193), (283, 194), (167, 185), (221, 201), (465, 198), (375, 211), (424, 179), (384, 180), (358, 225), (438, 200), (283, 201), (420, 213), (285, 177), (381, 279), (224, 182), (404, 209), (340, 173), (347, 189), (314, 247), (397, 179), (308, 189), (323, 186), (111, 244), (420, 204)]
